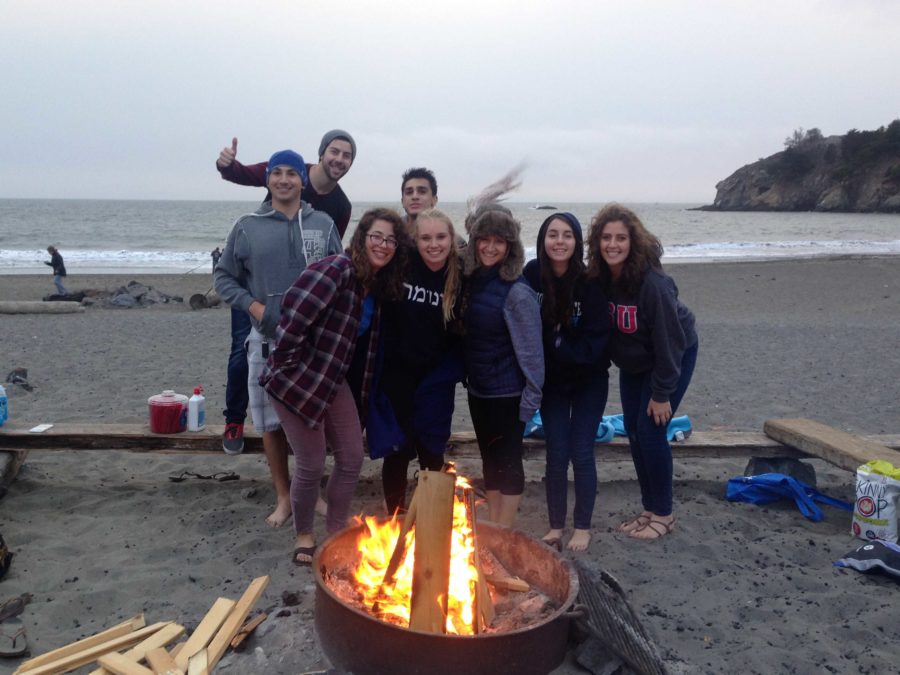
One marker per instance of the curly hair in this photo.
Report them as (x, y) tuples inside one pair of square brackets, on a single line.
[(646, 249), (386, 283), (559, 292), (453, 271)]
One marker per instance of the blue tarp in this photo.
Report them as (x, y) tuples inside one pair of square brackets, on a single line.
[(771, 487)]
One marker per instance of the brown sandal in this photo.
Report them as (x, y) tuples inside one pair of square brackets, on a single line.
[(638, 523), (659, 528)]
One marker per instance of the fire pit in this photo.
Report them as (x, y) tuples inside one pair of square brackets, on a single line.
[(358, 642)]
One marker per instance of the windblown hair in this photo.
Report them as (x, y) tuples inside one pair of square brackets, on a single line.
[(452, 271), (558, 302), (491, 196), (386, 283), (498, 222), (646, 249), (420, 172)]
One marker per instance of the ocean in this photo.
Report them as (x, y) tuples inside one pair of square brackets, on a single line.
[(97, 236)]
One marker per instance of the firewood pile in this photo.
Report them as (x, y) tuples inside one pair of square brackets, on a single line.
[(134, 648)]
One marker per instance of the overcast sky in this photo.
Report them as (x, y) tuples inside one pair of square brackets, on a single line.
[(633, 101)]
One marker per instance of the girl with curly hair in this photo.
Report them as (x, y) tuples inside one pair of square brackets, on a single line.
[(654, 344), (332, 308)]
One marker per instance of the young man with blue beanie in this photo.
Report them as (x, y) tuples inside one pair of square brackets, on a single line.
[(264, 254), (337, 150)]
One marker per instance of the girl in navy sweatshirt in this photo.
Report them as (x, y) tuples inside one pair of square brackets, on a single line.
[(654, 344), (576, 380)]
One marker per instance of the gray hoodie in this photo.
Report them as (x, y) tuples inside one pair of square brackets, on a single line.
[(265, 253)]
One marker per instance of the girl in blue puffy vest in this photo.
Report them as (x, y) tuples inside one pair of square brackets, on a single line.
[(504, 355)]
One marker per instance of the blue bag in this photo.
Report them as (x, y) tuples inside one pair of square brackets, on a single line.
[(535, 429), (771, 487)]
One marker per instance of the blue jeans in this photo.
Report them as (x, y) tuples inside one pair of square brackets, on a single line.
[(571, 414), (236, 396), (650, 447), (60, 289)]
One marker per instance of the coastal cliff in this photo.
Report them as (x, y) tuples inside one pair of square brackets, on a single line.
[(859, 171)]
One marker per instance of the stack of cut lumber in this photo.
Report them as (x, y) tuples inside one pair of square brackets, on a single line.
[(123, 648)]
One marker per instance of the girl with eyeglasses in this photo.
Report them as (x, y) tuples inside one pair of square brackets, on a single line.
[(331, 305)]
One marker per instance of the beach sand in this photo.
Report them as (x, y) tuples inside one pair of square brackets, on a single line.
[(103, 535)]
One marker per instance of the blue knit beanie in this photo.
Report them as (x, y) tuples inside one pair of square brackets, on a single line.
[(288, 158), (335, 135)]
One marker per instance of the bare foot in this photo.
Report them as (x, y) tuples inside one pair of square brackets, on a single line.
[(579, 541), (552, 536), (321, 507), (635, 523), (656, 527), (280, 515)]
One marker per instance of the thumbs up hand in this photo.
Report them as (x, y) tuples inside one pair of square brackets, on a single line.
[(226, 157)]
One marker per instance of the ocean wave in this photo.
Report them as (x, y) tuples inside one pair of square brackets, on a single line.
[(19, 260)]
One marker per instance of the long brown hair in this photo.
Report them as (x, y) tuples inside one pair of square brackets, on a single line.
[(386, 283), (558, 303), (452, 272), (645, 249)]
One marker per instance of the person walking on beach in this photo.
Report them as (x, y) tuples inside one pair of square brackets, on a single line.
[(504, 355), (654, 343), (337, 150), (423, 361), (264, 254), (216, 254), (324, 314), (59, 269), (576, 381)]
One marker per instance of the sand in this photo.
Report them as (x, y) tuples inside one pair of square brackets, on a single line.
[(103, 535)]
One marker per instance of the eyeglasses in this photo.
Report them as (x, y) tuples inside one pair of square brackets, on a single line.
[(378, 240)]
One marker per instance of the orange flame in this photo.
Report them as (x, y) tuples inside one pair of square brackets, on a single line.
[(376, 546)]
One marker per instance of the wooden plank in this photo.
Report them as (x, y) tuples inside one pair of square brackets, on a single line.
[(120, 629), (833, 445), (137, 438), (139, 652), (85, 656), (162, 663), (122, 665), (235, 620), (508, 583), (204, 632), (39, 307), (431, 568), (199, 663)]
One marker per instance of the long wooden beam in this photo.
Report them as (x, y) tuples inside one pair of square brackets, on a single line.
[(833, 445)]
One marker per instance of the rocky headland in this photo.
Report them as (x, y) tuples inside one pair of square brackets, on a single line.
[(859, 172)]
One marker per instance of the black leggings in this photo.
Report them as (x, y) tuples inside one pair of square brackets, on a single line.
[(499, 433)]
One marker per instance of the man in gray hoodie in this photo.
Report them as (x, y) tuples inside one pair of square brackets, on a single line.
[(264, 254)]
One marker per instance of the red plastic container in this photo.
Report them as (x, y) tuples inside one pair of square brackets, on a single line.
[(168, 412)]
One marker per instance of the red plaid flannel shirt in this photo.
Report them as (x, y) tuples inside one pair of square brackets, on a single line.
[(320, 315)]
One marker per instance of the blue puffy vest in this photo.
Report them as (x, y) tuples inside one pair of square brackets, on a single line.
[(491, 365)]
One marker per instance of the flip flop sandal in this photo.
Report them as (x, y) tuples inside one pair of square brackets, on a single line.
[(303, 550), (12, 639)]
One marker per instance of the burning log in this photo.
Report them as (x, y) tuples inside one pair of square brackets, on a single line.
[(431, 569)]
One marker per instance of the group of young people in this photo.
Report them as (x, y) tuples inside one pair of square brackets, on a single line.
[(376, 337)]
